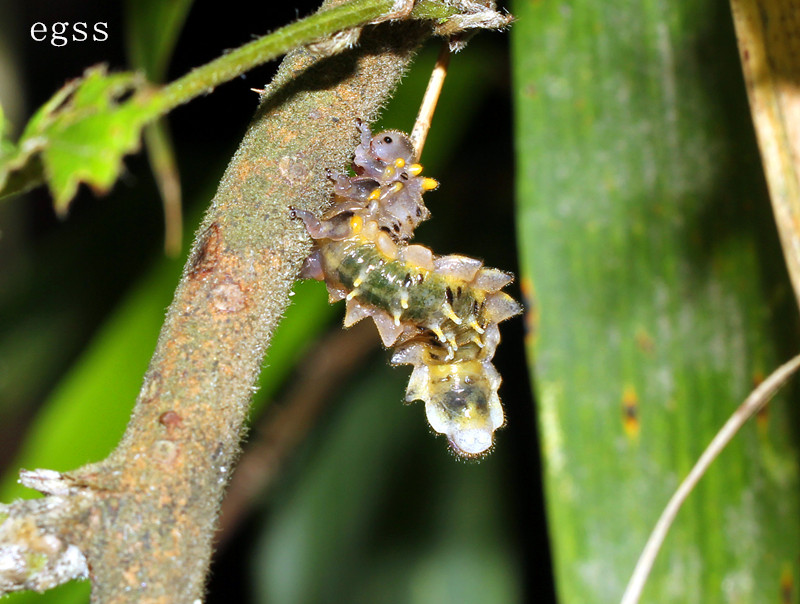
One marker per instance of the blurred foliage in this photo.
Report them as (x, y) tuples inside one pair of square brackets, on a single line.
[(79, 136), (661, 299), (152, 28)]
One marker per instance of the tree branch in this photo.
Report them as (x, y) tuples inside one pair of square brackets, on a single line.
[(144, 517), (452, 18)]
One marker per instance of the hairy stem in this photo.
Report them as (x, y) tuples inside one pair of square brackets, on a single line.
[(324, 23)]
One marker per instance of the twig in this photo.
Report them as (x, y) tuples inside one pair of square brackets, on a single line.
[(757, 399), (422, 125), (454, 15), (165, 172)]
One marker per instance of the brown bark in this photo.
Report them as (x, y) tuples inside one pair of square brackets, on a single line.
[(145, 516)]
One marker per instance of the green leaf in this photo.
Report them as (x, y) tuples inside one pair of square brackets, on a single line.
[(88, 133), (661, 300), (74, 592), (80, 135), (16, 174)]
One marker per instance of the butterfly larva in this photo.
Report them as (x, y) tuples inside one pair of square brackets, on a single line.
[(439, 312)]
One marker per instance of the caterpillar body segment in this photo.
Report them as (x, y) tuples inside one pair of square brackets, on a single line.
[(387, 185), (386, 283), (439, 312), (461, 402)]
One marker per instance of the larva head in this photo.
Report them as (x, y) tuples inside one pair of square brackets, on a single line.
[(461, 402), (390, 146), (400, 204), (387, 157)]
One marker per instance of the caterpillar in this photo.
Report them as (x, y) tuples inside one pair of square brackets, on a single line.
[(440, 313)]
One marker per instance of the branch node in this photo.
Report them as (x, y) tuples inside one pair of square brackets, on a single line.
[(31, 555), (47, 482)]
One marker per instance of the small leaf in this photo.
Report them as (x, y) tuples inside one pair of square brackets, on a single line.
[(79, 135)]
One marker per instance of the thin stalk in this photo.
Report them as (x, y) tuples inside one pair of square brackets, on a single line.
[(757, 399), (203, 80), (422, 125)]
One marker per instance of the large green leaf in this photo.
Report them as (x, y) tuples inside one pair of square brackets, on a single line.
[(646, 237)]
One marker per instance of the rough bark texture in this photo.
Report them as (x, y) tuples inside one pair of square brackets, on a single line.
[(145, 516), (164, 486)]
